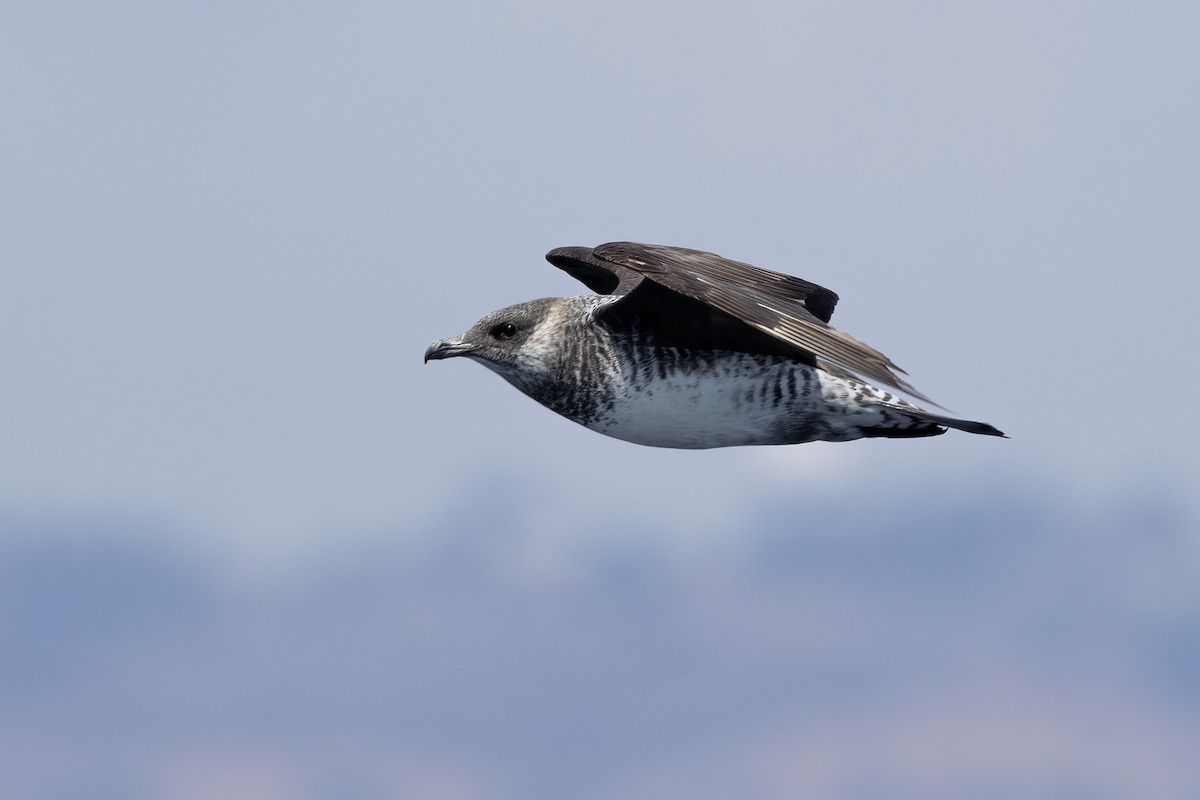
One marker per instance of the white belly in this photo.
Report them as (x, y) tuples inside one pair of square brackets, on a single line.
[(740, 401)]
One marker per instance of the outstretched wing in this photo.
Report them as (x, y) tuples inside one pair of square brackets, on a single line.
[(605, 268), (788, 314)]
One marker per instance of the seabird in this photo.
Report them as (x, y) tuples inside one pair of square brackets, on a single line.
[(683, 348)]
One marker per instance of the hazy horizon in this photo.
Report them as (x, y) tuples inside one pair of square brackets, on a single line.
[(251, 546)]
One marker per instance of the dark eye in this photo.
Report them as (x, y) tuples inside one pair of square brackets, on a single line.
[(505, 330)]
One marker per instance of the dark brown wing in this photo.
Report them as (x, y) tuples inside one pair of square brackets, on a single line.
[(786, 314), (599, 275), (604, 268)]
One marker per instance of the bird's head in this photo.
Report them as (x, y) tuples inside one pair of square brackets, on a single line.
[(518, 342)]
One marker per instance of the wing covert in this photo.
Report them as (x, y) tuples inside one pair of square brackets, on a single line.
[(788, 310)]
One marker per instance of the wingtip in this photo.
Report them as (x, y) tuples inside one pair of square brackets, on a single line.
[(559, 254), (601, 276)]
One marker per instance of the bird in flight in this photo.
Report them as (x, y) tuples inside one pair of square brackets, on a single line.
[(686, 349)]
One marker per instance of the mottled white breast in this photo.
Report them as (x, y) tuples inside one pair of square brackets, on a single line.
[(727, 399)]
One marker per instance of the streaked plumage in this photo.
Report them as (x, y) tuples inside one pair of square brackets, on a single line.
[(686, 349)]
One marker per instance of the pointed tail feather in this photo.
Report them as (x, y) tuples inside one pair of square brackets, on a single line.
[(950, 422)]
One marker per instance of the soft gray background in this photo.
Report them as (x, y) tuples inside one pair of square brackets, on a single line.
[(250, 547)]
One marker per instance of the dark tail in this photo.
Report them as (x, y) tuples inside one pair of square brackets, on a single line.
[(935, 420)]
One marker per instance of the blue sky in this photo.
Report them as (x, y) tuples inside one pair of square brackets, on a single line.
[(245, 532)]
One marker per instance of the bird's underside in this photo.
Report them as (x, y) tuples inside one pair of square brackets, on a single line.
[(690, 350), (666, 397)]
